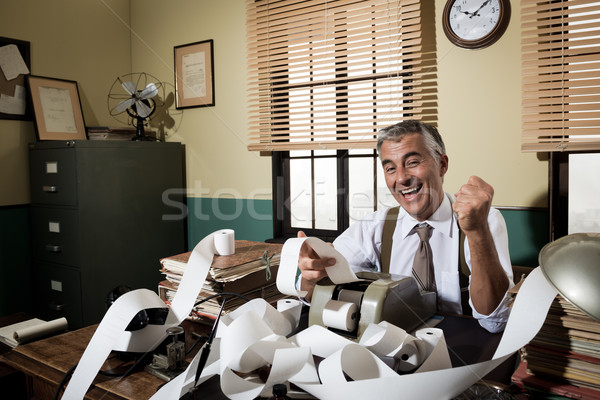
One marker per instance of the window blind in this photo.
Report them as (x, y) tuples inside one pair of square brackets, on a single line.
[(560, 75), (329, 74)]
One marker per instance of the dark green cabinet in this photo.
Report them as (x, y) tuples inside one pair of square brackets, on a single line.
[(103, 213)]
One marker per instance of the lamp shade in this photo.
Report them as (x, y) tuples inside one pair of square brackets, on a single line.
[(572, 265)]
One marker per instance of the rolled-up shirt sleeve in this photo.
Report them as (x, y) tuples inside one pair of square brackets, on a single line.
[(496, 320)]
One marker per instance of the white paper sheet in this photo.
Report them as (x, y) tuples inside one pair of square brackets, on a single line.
[(11, 62)]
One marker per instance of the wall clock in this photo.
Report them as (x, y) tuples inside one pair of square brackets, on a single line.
[(475, 24)]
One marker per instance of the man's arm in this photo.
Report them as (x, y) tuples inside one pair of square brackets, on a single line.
[(312, 268), (489, 282)]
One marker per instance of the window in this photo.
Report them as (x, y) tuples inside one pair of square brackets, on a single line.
[(560, 75), (324, 77)]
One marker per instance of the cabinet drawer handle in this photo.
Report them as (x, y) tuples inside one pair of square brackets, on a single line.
[(53, 248), (50, 189), (57, 307)]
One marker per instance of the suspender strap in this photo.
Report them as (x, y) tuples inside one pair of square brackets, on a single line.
[(387, 238), (463, 274), (389, 226)]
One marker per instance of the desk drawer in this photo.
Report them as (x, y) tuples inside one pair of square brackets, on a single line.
[(55, 233), (58, 293), (53, 177)]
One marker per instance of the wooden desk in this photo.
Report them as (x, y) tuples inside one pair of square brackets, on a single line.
[(11, 380), (468, 343), (45, 362)]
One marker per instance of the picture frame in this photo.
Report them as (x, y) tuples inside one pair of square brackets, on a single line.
[(194, 75), (56, 109), (15, 60)]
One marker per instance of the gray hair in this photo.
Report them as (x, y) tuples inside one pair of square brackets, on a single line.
[(433, 139)]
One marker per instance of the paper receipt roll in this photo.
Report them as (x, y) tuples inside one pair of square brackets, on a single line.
[(225, 242), (351, 296), (340, 315), (31, 333)]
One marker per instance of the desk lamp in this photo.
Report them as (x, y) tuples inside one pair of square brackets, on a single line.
[(572, 265)]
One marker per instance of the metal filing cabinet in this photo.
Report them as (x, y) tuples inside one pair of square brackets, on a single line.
[(103, 214)]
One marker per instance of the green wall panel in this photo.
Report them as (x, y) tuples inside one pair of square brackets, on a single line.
[(250, 219), (527, 234)]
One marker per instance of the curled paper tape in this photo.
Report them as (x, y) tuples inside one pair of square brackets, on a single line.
[(355, 361), (372, 377), (291, 310), (432, 345), (111, 334), (288, 264), (253, 337), (383, 339), (408, 355), (387, 340), (320, 340), (278, 320)]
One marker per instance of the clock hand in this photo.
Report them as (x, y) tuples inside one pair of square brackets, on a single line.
[(485, 3), (464, 12)]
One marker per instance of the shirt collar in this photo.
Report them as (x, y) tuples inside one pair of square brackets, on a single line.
[(441, 220)]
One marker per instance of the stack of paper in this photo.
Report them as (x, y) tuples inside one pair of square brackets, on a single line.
[(251, 272), (564, 357), (30, 330), (115, 133)]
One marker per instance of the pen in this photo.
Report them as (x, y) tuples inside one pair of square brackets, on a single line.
[(206, 348)]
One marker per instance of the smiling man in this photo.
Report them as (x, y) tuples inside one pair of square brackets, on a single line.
[(414, 162)]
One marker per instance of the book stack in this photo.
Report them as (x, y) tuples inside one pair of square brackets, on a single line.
[(564, 357), (251, 272)]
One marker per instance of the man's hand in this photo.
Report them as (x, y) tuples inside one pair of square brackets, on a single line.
[(489, 282), (472, 205), (312, 267)]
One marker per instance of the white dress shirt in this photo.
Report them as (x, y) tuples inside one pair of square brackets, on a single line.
[(361, 246)]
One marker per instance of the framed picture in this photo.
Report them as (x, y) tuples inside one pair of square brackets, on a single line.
[(15, 64), (56, 109), (194, 75)]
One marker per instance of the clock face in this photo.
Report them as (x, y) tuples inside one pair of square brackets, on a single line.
[(474, 19), (475, 23)]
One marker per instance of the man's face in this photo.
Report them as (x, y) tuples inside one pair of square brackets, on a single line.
[(413, 176)]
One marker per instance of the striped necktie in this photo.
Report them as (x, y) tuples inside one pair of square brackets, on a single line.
[(423, 263)]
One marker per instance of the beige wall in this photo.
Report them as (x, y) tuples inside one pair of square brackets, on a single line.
[(90, 41), (479, 110), (80, 40), (218, 163)]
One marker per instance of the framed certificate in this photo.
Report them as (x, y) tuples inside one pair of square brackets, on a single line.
[(56, 109), (194, 76)]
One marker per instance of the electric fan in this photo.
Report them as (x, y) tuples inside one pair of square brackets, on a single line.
[(135, 95)]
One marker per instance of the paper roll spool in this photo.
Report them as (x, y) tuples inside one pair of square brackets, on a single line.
[(340, 315), (351, 296), (408, 357), (225, 242)]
